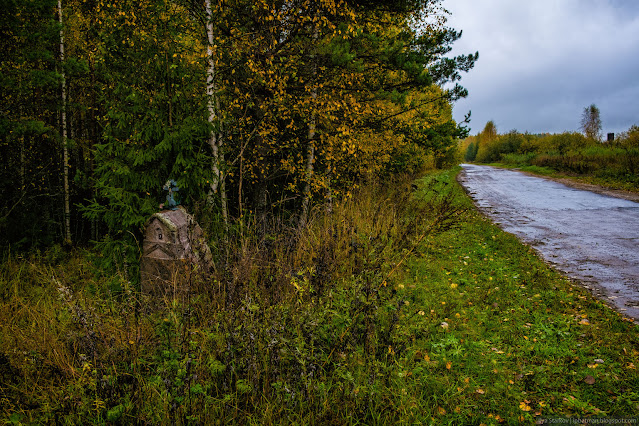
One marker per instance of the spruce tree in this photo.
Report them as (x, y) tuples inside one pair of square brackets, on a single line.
[(155, 123), (32, 209)]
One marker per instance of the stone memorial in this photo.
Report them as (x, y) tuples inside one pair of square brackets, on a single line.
[(175, 253)]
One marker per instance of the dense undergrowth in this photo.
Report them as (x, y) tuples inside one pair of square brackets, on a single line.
[(401, 306)]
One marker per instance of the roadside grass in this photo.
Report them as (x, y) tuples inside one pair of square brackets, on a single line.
[(506, 338), (538, 170), (402, 306), (611, 181)]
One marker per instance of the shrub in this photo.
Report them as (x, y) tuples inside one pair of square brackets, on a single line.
[(493, 150)]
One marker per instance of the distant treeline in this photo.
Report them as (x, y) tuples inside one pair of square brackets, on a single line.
[(565, 152)]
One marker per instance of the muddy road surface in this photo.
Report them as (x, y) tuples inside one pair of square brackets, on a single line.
[(590, 237)]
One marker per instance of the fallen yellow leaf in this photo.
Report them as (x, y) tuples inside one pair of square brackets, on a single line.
[(523, 406)]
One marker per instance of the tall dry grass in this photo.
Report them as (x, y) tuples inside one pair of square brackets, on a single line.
[(294, 326)]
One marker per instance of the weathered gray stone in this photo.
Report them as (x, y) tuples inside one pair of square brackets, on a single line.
[(175, 253)]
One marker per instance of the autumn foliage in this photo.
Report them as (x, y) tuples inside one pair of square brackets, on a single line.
[(256, 109)]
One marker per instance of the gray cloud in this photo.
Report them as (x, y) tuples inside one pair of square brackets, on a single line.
[(540, 63)]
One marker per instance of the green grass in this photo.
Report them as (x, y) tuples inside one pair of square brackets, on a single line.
[(519, 335), (610, 181), (543, 171), (400, 307)]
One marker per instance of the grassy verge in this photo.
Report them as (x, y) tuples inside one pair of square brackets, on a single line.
[(510, 339), (402, 306), (609, 182)]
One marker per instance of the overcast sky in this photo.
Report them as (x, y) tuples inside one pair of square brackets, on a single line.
[(542, 61)]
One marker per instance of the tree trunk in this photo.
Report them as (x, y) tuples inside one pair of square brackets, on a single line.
[(213, 105), (169, 95), (23, 158), (93, 137), (262, 206), (65, 149), (310, 160), (310, 150), (329, 190)]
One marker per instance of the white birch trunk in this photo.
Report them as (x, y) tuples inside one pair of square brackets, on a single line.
[(65, 150), (211, 96), (215, 141)]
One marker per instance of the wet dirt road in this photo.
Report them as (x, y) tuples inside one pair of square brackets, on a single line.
[(590, 237)]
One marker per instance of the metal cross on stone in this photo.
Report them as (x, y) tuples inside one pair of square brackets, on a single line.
[(171, 187)]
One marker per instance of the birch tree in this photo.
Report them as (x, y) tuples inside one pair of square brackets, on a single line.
[(310, 148), (591, 122), (65, 148), (215, 141)]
